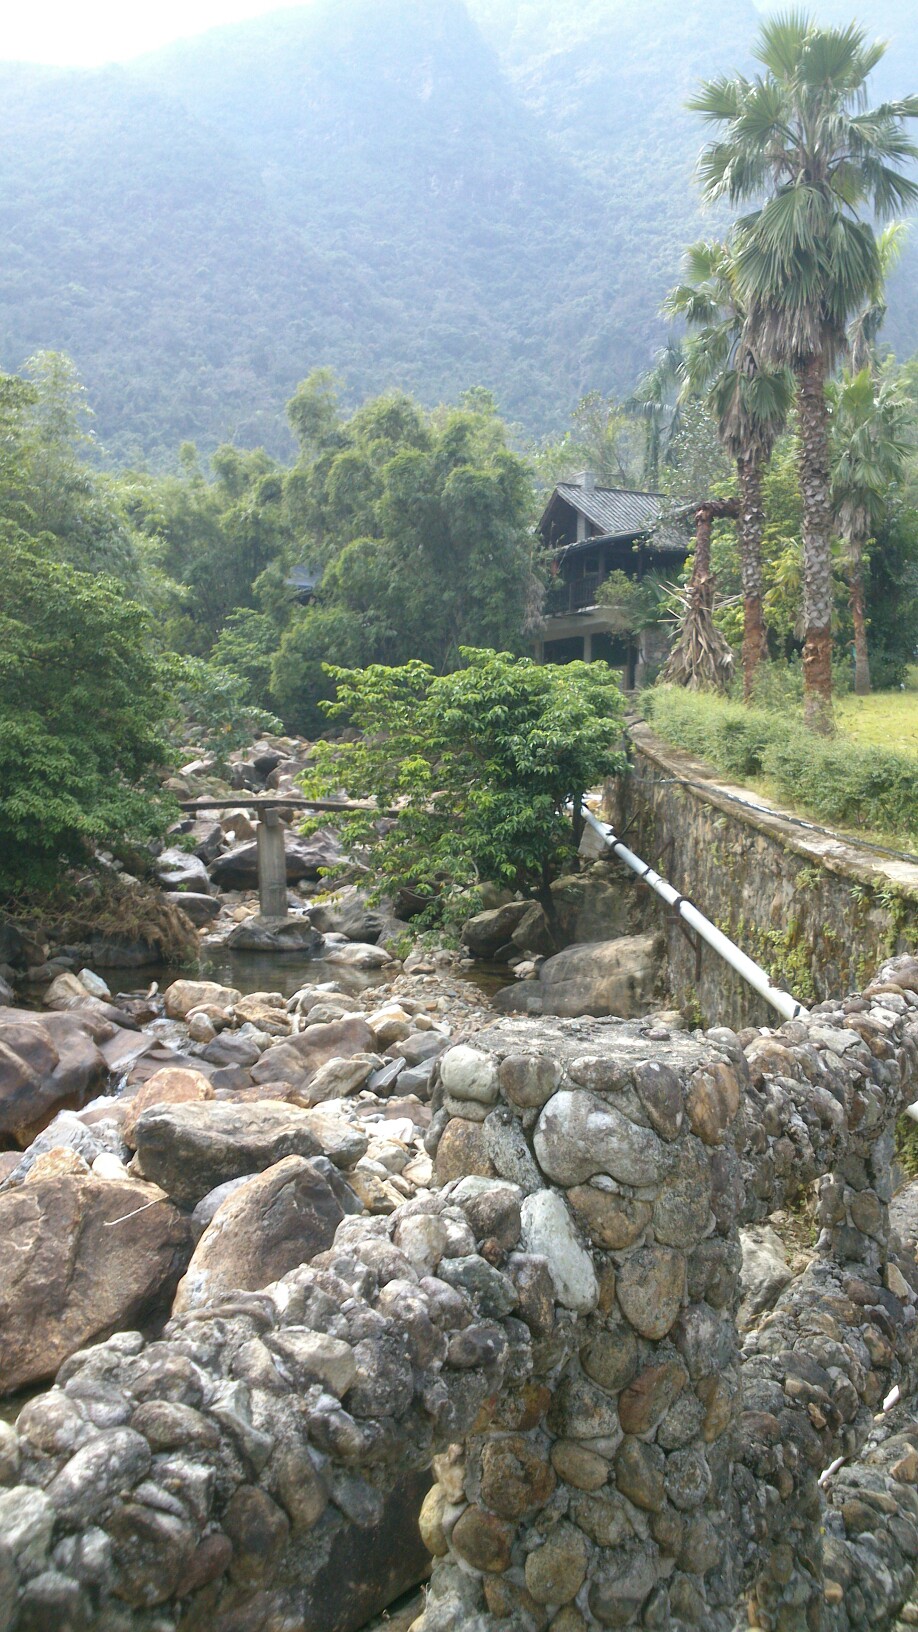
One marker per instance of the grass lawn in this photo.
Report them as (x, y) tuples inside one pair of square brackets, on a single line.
[(887, 718)]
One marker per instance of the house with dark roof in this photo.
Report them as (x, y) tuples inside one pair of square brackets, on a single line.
[(590, 532)]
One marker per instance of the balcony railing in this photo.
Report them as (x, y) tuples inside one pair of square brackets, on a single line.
[(573, 596)]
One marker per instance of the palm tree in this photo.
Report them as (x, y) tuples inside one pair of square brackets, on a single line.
[(655, 401), (800, 134), (870, 444), (749, 400)]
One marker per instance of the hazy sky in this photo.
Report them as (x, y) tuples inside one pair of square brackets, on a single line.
[(95, 31)]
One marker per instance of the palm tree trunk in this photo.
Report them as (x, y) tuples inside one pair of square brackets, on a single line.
[(817, 535), (751, 523), (858, 618), (701, 658)]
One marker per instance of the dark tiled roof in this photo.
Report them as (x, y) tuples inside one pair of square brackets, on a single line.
[(618, 511)]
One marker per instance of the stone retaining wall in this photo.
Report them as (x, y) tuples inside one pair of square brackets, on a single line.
[(818, 914), (554, 1331)]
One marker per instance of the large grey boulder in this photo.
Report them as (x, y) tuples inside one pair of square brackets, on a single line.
[(598, 978), (348, 912), (238, 868), (489, 933), (294, 935), (190, 1149), (590, 908)]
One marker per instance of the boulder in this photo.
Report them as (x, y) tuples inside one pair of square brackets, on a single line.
[(356, 966), (189, 1149), (267, 1226), (184, 995), (590, 908), (44, 1060), (174, 1085), (66, 992), (208, 838), (92, 1256), (238, 868), (180, 870), (238, 825), (488, 933), (294, 935), (201, 909), (533, 932), (599, 978), (298, 1058), (347, 912)]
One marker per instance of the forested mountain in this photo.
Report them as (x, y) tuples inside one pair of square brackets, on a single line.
[(423, 193)]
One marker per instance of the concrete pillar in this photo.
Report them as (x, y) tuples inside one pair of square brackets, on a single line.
[(272, 866), (597, 1490), (588, 647)]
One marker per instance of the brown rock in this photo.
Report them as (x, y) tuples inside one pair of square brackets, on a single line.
[(660, 1093), (556, 1571), (483, 1540), (713, 1102), (718, 1398), (611, 1221), (151, 1551), (611, 1359), (514, 1477), (651, 1288), (462, 1151), (258, 1530), (278, 1220), (46, 1060), (53, 1164), (639, 1473), (174, 1085), (92, 1256), (577, 1465), (184, 995), (650, 1396), (528, 1079)]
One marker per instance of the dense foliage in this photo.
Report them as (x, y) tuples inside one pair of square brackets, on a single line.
[(856, 785), (82, 708), (481, 764)]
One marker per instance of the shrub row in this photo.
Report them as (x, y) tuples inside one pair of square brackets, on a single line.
[(837, 780)]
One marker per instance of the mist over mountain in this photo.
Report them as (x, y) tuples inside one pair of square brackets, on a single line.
[(418, 193)]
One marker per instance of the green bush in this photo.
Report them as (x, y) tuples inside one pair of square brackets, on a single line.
[(483, 764), (837, 780)]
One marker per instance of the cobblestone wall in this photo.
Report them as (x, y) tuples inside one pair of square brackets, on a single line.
[(554, 1332)]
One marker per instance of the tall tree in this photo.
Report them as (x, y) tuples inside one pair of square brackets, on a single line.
[(749, 401), (800, 134), (870, 444)]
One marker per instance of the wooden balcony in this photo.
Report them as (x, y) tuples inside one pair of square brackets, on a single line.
[(575, 596)]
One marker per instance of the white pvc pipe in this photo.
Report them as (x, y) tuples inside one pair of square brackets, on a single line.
[(751, 972)]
